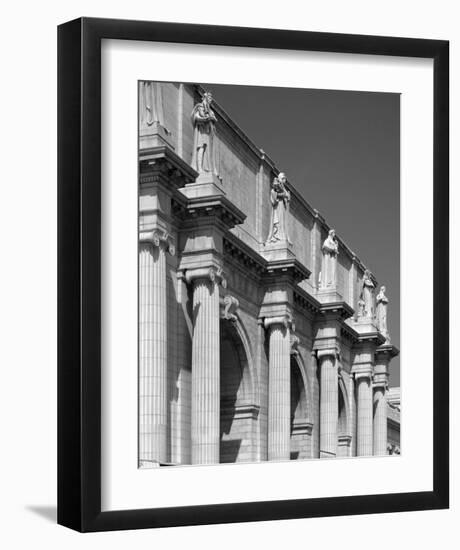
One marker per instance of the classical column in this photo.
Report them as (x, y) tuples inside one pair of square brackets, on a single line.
[(380, 421), (364, 413), (279, 388), (329, 403), (153, 346), (383, 356), (205, 366)]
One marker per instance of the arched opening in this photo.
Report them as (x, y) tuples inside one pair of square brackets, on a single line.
[(238, 412), (300, 426)]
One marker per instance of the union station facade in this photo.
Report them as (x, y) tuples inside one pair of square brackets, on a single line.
[(262, 335)]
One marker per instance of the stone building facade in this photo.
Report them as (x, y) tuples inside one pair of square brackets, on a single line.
[(261, 334)]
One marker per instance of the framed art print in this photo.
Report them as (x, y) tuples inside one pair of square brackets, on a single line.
[(253, 274)]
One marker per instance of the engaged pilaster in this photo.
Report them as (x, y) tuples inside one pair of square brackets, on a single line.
[(205, 420), (153, 348), (329, 402), (279, 388)]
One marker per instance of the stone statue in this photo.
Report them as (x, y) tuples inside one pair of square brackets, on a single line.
[(204, 120), (367, 294), (152, 103), (279, 198), (381, 312), (330, 251)]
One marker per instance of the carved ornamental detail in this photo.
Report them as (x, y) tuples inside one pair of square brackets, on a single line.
[(157, 238), (231, 304)]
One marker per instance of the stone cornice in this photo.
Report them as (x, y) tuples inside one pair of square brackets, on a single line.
[(306, 301), (374, 337), (388, 349), (244, 254), (212, 208), (348, 333), (162, 163), (340, 310), (289, 268)]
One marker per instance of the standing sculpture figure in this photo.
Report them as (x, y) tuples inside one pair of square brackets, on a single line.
[(204, 120), (367, 294), (153, 103), (330, 251), (381, 312), (279, 198)]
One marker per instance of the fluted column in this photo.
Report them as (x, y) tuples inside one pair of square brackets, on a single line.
[(279, 388), (381, 378), (153, 346), (205, 420), (329, 403), (364, 414), (380, 421)]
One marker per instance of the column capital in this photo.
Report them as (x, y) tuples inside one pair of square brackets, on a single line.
[(157, 238), (328, 352), (285, 320), (212, 273), (380, 383), (362, 371), (381, 376)]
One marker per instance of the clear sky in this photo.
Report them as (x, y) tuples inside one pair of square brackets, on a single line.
[(341, 151)]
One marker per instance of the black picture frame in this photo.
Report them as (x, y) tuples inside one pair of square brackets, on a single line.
[(79, 274)]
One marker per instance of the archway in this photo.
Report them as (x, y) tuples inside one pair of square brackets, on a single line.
[(238, 412), (300, 425)]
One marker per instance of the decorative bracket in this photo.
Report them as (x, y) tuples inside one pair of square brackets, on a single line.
[(231, 304)]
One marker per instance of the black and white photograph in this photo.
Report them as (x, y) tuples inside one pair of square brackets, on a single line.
[(268, 275)]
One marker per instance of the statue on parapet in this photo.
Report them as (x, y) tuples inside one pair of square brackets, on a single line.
[(367, 295), (204, 121), (280, 198), (330, 250), (381, 313)]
